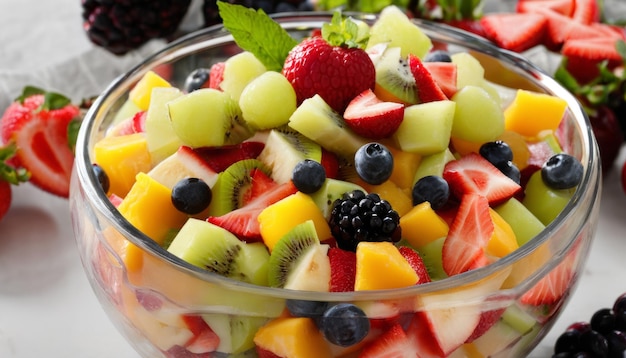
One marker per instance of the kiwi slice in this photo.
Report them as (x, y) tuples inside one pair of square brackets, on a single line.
[(299, 261), (284, 148), (232, 184), (431, 255), (394, 77), (331, 190), (215, 249), (236, 332)]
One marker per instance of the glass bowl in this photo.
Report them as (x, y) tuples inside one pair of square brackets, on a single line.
[(161, 306)]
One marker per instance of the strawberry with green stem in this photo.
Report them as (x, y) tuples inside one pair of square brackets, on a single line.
[(464, 14), (9, 176)]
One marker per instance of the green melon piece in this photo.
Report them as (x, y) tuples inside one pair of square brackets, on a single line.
[(544, 202), (236, 332), (432, 256), (433, 164), (525, 224), (161, 139), (331, 190), (426, 127), (396, 29), (478, 118)]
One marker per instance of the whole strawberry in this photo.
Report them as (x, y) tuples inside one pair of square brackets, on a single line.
[(8, 176), (38, 124), (335, 66)]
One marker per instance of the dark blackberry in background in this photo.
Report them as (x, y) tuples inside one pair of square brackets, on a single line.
[(212, 17), (124, 25)]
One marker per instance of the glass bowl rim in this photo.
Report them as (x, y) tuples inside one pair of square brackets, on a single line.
[(294, 21)]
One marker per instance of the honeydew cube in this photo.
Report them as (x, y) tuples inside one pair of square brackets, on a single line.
[(478, 118), (531, 113), (422, 225), (544, 202), (140, 94), (122, 158), (379, 266), (161, 139), (426, 127), (470, 72), (525, 224), (394, 28), (433, 164), (239, 70), (261, 107)]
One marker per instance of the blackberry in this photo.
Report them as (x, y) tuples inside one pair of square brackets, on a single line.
[(123, 25), (211, 14), (360, 217)]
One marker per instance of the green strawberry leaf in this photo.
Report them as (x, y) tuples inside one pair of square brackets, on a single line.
[(8, 173), (256, 32), (72, 132), (29, 91), (52, 100)]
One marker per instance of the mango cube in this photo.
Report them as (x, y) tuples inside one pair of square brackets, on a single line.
[(292, 337), (141, 93), (380, 266), (530, 113), (422, 225)]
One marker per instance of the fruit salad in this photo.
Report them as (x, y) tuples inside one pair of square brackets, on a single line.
[(358, 190)]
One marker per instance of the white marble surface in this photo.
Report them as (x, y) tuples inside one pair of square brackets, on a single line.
[(46, 305)]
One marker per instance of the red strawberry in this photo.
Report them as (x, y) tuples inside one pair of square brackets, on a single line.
[(463, 248), (553, 286), (242, 222), (260, 183), (469, 25), (8, 176), (330, 162), (487, 320), (37, 123), (473, 174), (371, 117), (415, 260), (586, 11), (216, 75), (592, 49), (563, 7), (264, 353), (391, 344), (220, 158), (5, 197), (342, 269), (444, 74), (427, 88), (338, 70), (515, 32)]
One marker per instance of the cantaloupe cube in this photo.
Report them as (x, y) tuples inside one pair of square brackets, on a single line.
[(399, 199), (405, 165), (533, 112), (292, 337), (380, 266), (421, 225), (502, 241), (279, 218), (122, 157), (140, 94)]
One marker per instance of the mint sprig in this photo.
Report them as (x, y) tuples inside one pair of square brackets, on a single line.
[(256, 32)]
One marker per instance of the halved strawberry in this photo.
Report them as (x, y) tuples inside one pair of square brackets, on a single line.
[(204, 339), (342, 270), (427, 88), (463, 248), (487, 320), (330, 162), (220, 158), (586, 11), (371, 117), (515, 31), (259, 184), (415, 260), (551, 288), (393, 343), (444, 74), (9, 176), (243, 222), (563, 7), (38, 123), (585, 55), (216, 75), (473, 174)]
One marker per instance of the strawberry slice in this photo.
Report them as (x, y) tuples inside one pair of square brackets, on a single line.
[(444, 74), (586, 11), (563, 7), (330, 162), (391, 344), (415, 260), (220, 158), (427, 88), (473, 174), (216, 75), (592, 49), (38, 124), (463, 249), (551, 288), (516, 31), (260, 183), (242, 222), (342, 270), (371, 117)]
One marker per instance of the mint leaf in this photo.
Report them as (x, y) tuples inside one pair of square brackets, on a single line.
[(254, 31)]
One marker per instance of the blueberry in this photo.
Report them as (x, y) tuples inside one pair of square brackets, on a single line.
[(344, 324), (196, 79), (438, 56), (562, 171), (374, 163), (308, 176), (191, 195), (102, 177), (303, 308), (433, 189), (510, 170), (496, 152)]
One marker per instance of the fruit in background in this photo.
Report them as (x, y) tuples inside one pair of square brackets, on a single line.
[(38, 123), (217, 250), (514, 31), (239, 70), (9, 176), (477, 118), (426, 127), (207, 118), (262, 110), (337, 54), (299, 261), (370, 117), (379, 266), (394, 28), (162, 141)]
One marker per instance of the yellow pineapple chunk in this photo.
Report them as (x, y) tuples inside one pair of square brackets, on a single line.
[(140, 94), (531, 113), (422, 225), (279, 218), (122, 158), (380, 266), (292, 338), (503, 240)]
